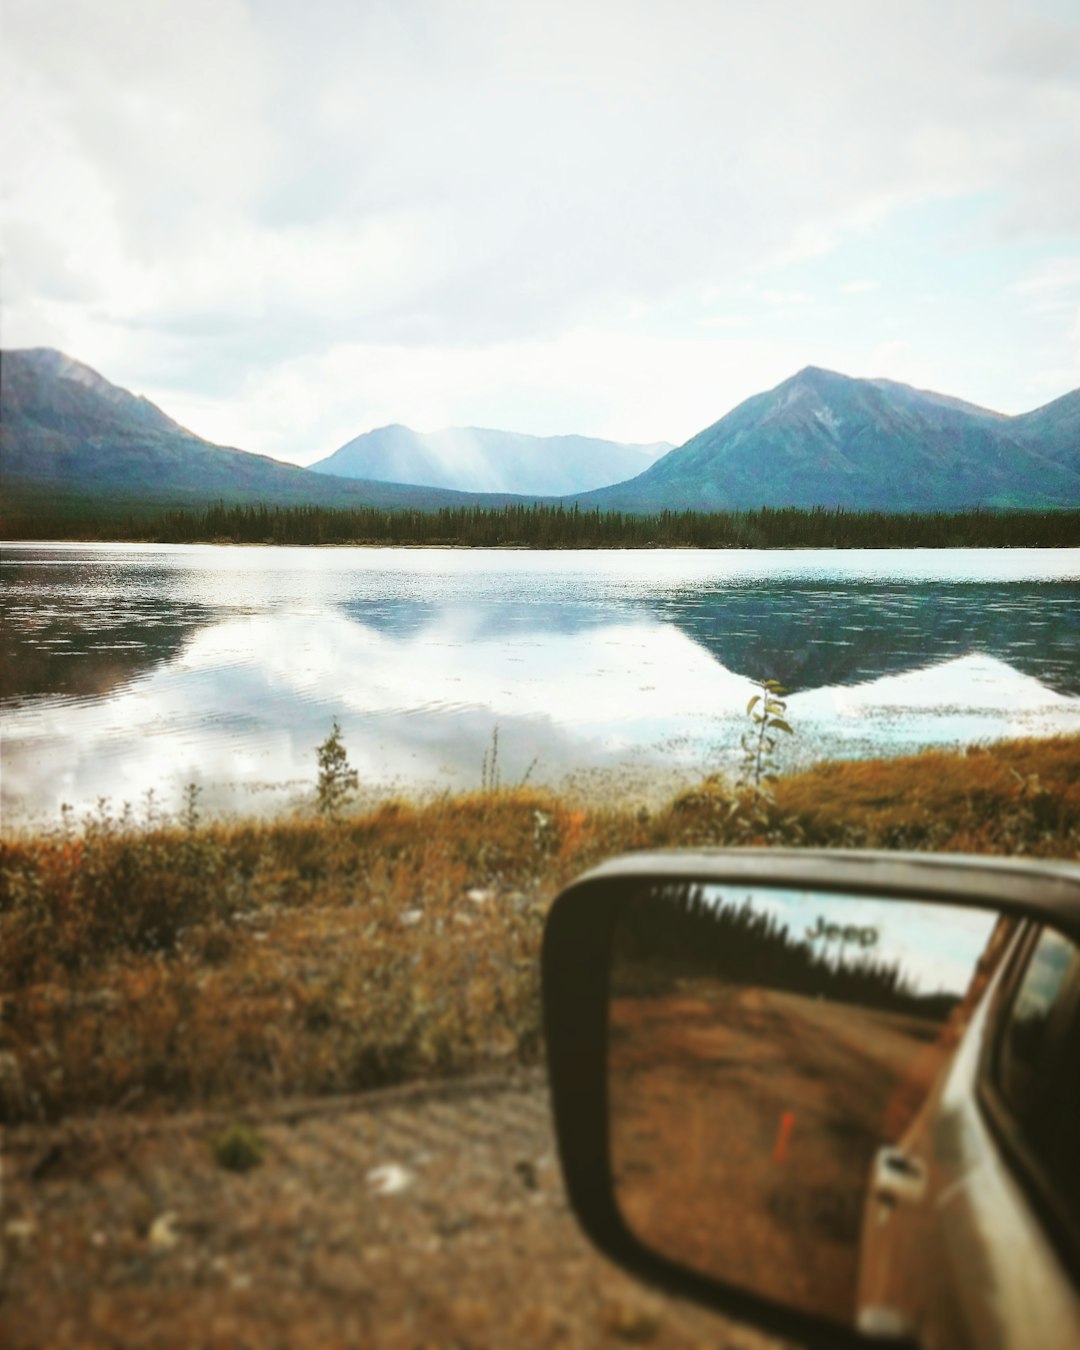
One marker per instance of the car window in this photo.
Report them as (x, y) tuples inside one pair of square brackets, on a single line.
[(1038, 1067)]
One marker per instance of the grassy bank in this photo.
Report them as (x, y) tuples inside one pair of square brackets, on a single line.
[(171, 965)]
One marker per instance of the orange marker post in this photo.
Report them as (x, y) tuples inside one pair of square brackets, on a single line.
[(783, 1136)]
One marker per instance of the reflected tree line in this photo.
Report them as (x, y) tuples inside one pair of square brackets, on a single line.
[(675, 933), (561, 525)]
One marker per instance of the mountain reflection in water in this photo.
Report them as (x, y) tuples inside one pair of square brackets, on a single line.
[(125, 670)]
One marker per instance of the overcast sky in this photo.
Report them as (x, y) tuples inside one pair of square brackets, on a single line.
[(287, 223)]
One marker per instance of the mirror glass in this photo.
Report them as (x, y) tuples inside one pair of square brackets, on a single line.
[(770, 1052)]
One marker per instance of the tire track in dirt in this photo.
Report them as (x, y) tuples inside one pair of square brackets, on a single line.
[(123, 1231)]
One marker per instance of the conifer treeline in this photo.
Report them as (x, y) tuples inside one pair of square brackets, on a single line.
[(539, 526), (674, 932)]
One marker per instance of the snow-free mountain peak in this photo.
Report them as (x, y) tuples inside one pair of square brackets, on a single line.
[(821, 439), (482, 459)]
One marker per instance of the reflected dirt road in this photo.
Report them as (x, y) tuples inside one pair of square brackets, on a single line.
[(744, 1122)]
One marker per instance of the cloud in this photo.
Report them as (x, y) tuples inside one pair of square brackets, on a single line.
[(199, 192), (1054, 277), (773, 296)]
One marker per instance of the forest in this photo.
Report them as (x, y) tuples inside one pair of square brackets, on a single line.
[(541, 526)]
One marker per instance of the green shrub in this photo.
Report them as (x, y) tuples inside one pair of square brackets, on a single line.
[(238, 1148)]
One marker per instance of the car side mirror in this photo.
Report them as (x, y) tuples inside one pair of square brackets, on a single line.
[(774, 1073)]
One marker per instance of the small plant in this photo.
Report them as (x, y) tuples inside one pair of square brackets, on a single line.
[(489, 765), (189, 813), (337, 777), (238, 1149), (759, 743)]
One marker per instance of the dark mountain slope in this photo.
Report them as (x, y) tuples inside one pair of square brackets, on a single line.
[(64, 430), (818, 439), (1053, 430), (822, 439)]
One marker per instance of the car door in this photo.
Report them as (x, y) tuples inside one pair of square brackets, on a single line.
[(996, 1262)]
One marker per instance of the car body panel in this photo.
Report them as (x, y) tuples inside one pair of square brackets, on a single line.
[(966, 1265)]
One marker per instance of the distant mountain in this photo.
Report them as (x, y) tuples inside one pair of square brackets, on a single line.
[(474, 459), (822, 439), (818, 439), (66, 432)]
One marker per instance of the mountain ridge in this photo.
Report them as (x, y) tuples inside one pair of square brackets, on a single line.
[(485, 459), (67, 431), (821, 439), (818, 439)]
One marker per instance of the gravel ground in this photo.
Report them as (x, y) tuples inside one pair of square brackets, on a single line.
[(419, 1217)]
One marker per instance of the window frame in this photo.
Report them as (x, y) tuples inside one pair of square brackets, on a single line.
[(1017, 1150)]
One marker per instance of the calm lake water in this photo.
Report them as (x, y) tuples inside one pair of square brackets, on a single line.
[(127, 668)]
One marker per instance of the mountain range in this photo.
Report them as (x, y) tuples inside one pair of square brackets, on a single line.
[(817, 439), (475, 459), (822, 439), (65, 431)]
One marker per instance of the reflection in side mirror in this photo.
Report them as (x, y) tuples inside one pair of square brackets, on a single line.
[(773, 1056)]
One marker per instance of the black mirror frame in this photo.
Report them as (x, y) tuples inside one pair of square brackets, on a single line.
[(575, 973)]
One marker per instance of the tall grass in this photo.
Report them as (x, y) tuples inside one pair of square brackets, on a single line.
[(164, 963)]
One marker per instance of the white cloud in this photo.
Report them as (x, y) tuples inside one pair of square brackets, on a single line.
[(626, 386), (209, 200), (1054, 276)]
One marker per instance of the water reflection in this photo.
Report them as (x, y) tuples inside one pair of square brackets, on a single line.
[(821, 633), (125, 670)]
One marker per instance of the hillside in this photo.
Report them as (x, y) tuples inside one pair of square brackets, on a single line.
[(822, 439), (66, 432), (476, 459), (1053, 430), (71, 441)]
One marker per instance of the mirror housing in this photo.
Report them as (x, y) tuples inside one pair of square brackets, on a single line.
[(576, 973)]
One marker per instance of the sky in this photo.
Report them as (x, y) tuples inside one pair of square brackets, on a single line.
[(936, 946), (290, 223)]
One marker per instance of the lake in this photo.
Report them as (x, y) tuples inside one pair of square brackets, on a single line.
[(129, 668)]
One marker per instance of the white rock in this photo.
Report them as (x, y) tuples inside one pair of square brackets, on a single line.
[(20, 1231), (389, 1179), (163, 1235)]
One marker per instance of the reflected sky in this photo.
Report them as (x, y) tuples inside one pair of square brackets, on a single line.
[(936, 946), (127, 668)]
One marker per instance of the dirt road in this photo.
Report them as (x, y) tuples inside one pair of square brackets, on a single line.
[(744, 1122), (429, 1217)]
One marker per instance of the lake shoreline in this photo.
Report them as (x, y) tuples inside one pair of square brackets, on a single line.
[(131, 667), (450, 545), (189, 964)]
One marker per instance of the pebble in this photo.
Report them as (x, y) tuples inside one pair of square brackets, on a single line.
[(389, 1179), (163, 1235), (20, 1231)]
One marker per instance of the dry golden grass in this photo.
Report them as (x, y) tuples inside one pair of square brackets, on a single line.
[(1012, 797), (160, 966)]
